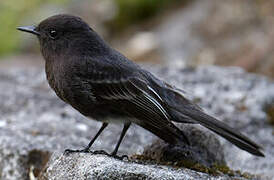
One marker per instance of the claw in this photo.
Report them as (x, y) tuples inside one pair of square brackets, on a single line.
[(101, 152), (68, 151), (120, 157)]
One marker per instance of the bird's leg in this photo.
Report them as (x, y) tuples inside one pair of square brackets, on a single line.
[(113, 154), (86, 149)]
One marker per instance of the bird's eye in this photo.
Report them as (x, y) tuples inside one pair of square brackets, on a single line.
[(53, 34)]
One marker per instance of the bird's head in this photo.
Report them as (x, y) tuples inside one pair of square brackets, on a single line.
[(64, 33)]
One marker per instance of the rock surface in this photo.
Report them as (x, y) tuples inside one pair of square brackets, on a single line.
[(86, 166), (34, 123)]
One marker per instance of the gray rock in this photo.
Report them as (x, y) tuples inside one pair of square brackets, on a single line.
[(205, 149), (34, 123), (86, 166)]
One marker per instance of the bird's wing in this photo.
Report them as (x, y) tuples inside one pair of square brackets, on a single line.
[(132, 95)]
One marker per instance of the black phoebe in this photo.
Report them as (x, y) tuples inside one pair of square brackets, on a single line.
[(103, 84)]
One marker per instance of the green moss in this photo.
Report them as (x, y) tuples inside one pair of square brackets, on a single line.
[(215, 170), (192, 165)]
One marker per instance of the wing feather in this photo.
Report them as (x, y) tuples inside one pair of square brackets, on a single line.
[(141, 102), (127, 92)]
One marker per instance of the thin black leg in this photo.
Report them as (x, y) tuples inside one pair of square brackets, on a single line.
[(126, 126), (86, 149)]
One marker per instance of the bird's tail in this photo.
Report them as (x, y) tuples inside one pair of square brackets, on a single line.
[(182, 108)]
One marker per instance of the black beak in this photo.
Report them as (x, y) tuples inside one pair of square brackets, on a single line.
[(29, 29)]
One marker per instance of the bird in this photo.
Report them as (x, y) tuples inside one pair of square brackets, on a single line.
[(104, 85)]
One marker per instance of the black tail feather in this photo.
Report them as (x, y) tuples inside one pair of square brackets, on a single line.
[(223, 130), (181, 109)]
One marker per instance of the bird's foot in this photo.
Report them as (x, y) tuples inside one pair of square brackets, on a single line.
[(123, 157), (101, 152), (86, 150), (111, 155), (69, 151)]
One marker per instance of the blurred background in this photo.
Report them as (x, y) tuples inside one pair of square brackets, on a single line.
[(177, 32)]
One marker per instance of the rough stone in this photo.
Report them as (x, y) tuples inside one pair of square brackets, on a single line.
[(85, 166), (204, 149)]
